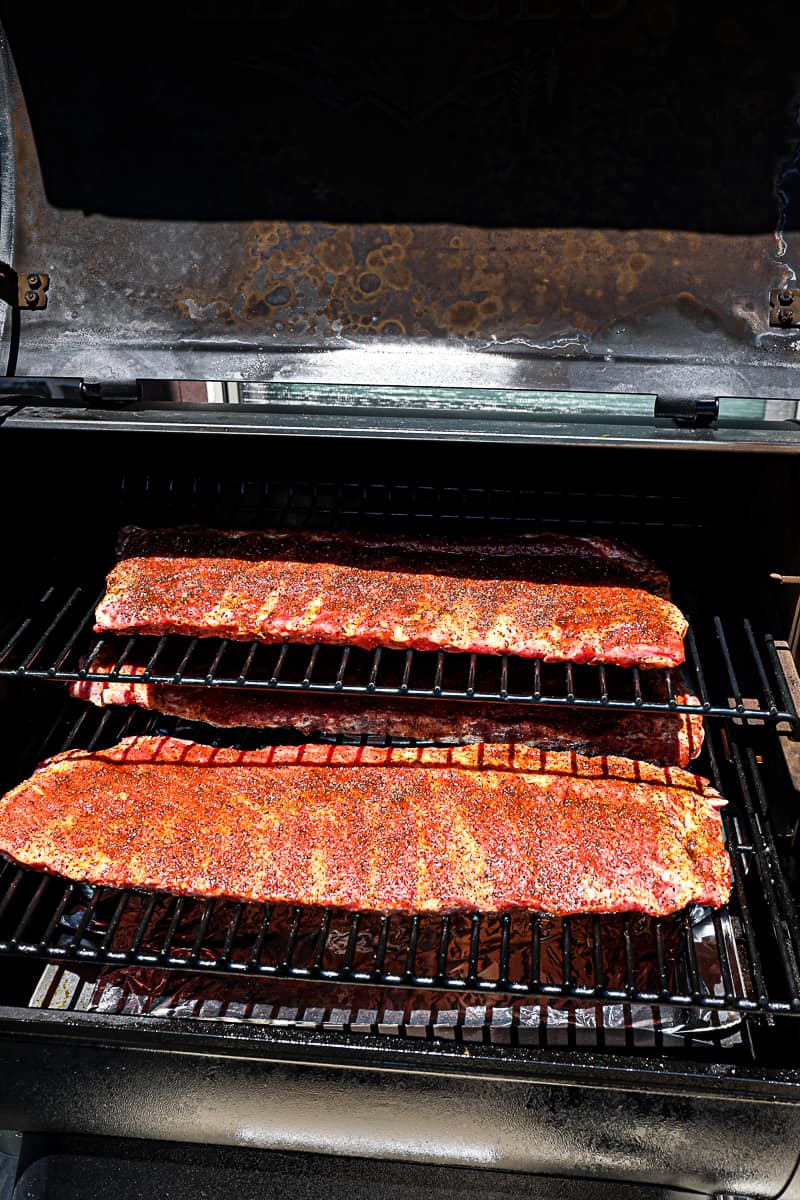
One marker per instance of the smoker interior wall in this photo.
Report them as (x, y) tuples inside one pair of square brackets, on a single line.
[(60, 488)]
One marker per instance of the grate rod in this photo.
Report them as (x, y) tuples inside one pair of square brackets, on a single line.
[(151, 662), (52, 924), (536, 951), (297, 916), (172, 928), (765, 874), (630, 966), (248, 662), (762, 674), (566, 950), (505, 936), (444, 942), (211, 677), (473, 666), (597, 953), (202, 929), (99, 645), (383, 941), (11, 889), (182, 665), (474, 945), (377, 654), (230, 936), (322, 941), (352, 942), (691, 646), (412, 945), (729, 667), (658, 930), (258, 944), (437, 675), (404, 682), (724, 959), (69, 645), (143, 923), (342, 667), (30, 910), (569, 676), (31, 657), (113, 924), (125, 653), (312, 662), (503, 689), (83, 924), (276, 673), (691, 958)]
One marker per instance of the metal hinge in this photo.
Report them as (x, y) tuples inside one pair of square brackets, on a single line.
[(685, 410), (784, 307), (117, 394), (23, 290)]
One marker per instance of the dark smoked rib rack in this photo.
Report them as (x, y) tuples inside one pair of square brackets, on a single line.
[(748, 960), (736, 672)]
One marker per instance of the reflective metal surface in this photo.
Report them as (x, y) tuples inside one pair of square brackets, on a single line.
[(539, 194), (712, 1134)]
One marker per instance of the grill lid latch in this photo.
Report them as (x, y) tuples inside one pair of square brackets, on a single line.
[(23, 289), (684, 410)]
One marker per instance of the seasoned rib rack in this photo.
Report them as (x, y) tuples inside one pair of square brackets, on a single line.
[(731, 666), (486, 827), (551, 597), (513, 954)]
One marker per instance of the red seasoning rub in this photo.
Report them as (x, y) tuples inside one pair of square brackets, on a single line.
[(481, 828), (549, 596), (657, 737)]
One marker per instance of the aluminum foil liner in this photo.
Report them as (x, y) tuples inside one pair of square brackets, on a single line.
[(158, 992), (146, 992)]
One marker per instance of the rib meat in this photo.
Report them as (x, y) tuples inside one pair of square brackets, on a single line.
[(662, 738), (548, 596), (485, 828)]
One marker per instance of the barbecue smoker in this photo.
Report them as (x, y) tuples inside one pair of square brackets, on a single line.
[(552, 287)]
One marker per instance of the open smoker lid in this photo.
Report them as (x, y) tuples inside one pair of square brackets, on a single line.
[(591, 196)]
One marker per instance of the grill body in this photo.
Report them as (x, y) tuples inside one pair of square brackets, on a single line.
[(428, 339), (705, 1116)]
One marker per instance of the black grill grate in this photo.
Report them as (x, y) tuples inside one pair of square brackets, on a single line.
[(733, 669), (743, 958), (732, 665)]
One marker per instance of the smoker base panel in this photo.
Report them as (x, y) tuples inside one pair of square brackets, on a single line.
[(92, 1170), (707, 1136)]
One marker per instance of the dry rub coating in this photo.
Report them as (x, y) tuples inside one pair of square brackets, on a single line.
[(484, 827), (548, 596)]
